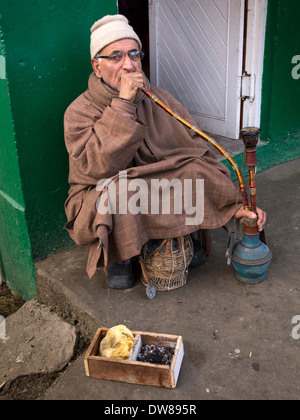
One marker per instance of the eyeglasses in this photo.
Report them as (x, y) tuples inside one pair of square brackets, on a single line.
[(118, 56)]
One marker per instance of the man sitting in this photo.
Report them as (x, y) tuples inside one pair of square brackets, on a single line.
[(116, 136)]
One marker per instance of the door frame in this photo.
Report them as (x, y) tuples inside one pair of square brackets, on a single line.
[(254, 48)]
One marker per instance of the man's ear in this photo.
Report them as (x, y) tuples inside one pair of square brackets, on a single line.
[(96, 67)]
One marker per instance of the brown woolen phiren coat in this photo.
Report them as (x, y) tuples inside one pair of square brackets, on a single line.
[(105, 135)]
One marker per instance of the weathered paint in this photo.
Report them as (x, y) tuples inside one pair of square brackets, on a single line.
[(47, 66), (280, 121), (15, 248)]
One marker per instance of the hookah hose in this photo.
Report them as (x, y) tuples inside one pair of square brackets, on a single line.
[(226, 155)]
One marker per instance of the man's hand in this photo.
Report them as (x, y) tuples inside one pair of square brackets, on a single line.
[(130, 84), (261, 216)]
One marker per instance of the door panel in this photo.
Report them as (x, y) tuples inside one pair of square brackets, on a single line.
[(196, 49)]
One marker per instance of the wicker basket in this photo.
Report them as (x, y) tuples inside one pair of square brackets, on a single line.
[(165, 263)]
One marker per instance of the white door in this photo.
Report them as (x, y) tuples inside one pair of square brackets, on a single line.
[(196, 51)]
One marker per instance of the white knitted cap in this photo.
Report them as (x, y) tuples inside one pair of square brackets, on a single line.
[(109, 29)]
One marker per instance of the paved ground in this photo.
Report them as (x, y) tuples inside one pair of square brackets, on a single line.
[(239, 340), (36, 341)]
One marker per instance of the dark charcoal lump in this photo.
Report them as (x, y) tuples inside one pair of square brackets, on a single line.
[(151, 353)]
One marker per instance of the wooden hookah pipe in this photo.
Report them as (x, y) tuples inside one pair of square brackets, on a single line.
[(251, 256), (211, 141), (250, 139)]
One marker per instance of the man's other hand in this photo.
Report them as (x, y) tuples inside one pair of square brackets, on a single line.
[(261, 216)]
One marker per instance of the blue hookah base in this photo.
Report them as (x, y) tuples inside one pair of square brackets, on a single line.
[(251, 259)]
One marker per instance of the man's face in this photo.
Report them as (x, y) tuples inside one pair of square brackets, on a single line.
[(112, 72)]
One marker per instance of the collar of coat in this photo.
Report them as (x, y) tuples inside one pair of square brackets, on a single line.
[(103, 94)]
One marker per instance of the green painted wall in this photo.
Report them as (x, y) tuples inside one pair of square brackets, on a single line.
[(48, 64), (280, 122), (15, 248)]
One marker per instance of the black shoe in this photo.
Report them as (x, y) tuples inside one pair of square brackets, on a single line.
[(199, 256), (121, 276)]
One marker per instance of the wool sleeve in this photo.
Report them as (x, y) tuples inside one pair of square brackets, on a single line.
[(101, 144)]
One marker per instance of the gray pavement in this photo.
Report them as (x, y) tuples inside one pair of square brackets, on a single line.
[(36, 341), (239, 340)]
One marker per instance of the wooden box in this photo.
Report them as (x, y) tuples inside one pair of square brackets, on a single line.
[(131, 370)]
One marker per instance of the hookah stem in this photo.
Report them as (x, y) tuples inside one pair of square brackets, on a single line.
[(250, 138), (210, 140), (252, 184)]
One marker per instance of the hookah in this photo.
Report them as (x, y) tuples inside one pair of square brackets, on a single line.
[(251, 256)]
